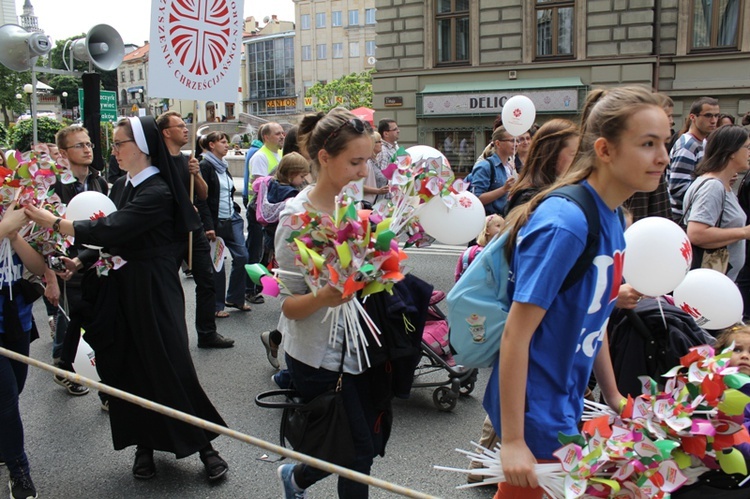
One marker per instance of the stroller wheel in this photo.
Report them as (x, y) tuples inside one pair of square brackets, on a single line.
[(467, 388), (444, 399)]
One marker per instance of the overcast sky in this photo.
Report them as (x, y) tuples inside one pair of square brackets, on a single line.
[(61, 19)]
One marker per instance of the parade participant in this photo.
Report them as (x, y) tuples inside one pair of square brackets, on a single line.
[(545, 360), (340, 147), (175, 133), (493, 225), (15, 334), (225, 222), (77, 150), (713, 214), (493, 177), (137, 323), (388, 130), (551, 153), (375, 185)]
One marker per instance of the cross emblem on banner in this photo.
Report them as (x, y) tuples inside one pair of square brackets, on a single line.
[(199, 34)]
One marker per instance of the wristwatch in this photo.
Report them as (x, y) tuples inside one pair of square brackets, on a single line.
[(56, 225)]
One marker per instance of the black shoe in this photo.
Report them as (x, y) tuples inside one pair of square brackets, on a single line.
[(215, 340), (144, 467), (22, 488), (216, 467), (254, 298), (73, 388)]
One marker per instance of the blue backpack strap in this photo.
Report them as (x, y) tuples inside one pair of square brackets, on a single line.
[(581, 196)]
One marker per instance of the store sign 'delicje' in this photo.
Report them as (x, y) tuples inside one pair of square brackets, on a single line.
[(565, 100)]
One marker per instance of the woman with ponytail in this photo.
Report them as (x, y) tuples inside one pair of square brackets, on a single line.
[(554, 338)]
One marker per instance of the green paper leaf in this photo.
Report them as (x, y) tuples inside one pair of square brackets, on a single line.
[(256, 271), (732, 461), (736, 380), (666, 447), (733, 403), (566, 439), (383, 242)]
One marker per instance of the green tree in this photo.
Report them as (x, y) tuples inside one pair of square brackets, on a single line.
[(351, 91), (21, 135), (11, 83), (63, 83)]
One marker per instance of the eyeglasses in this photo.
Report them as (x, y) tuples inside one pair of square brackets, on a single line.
[(183, 126), (116, 145), (710, 116), (357, 124), (392, 130), (81, 145), (505, 140)]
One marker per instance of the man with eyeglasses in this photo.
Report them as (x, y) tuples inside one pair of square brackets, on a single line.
[(388, 130), (688, 151), (77, 150), (176, 135)]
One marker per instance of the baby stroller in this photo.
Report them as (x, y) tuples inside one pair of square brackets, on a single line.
[(436, 357)]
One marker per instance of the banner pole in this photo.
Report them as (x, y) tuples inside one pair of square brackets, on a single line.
[(192, 180)]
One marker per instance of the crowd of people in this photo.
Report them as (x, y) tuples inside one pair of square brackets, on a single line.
[(623, 151)]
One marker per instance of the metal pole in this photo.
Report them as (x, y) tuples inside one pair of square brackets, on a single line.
[(33, 103)]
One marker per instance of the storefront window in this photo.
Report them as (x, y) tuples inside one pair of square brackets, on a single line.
[(459, 149), (554, 28), (452, 29), (716, 24)]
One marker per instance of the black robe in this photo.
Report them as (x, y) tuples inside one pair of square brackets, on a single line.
[(136, 322)]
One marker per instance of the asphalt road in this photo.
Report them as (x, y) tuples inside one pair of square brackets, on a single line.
[(70, 448)]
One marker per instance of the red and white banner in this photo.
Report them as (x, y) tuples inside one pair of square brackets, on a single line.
[(195, 52)]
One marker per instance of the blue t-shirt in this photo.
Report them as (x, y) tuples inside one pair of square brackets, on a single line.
[(564, 346), (24, 309)]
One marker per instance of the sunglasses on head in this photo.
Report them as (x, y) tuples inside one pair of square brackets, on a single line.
[(357, 124)]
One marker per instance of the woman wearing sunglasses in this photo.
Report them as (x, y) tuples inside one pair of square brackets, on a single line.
[(339, 146)]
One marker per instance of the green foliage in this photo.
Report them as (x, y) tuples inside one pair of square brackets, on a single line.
[(3, 136), (21, 136), (11, 83), (106, 138), (350, 91), (70, 84)]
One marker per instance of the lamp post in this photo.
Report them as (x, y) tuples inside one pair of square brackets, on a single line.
[(29, 90), (65, 97)]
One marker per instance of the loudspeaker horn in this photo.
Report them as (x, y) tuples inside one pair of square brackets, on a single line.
[(102, 47), (19, 47)]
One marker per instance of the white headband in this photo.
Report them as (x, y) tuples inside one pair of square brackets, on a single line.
[(138, 135)]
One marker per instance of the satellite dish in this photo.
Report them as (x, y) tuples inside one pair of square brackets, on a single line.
[(103, 47), (266, 19), (19, 47)]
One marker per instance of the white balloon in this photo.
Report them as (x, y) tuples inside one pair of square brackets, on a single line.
[(456, 225), (424, 152), (711, 298), (85, 361), (518, 115), (657, 256), (89, 205)]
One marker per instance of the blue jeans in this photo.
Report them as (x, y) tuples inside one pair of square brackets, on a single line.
[(233, 236), (310, 383), (12, 380)]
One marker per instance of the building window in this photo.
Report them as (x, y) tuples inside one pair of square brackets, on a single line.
[(322, 51), (122, 77), (452, 23), (140, 73), (304, 21), (336, 19), (353, 18), (370, 16), (353, 49), (554, 28), (370, 49), (715, 24), (337, 50), (306, 53), (132, 76), (320, 20)]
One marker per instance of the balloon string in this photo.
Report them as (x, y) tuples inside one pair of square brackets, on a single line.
[(661, 311)]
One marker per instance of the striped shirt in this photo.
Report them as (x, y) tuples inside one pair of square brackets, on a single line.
[(685, 156)]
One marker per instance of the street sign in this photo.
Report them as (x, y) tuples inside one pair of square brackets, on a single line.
[(107, 101)]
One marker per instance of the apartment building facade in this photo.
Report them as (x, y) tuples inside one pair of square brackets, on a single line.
[(445, 67)]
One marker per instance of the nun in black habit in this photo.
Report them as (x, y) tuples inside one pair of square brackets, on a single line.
[(136, 316)]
